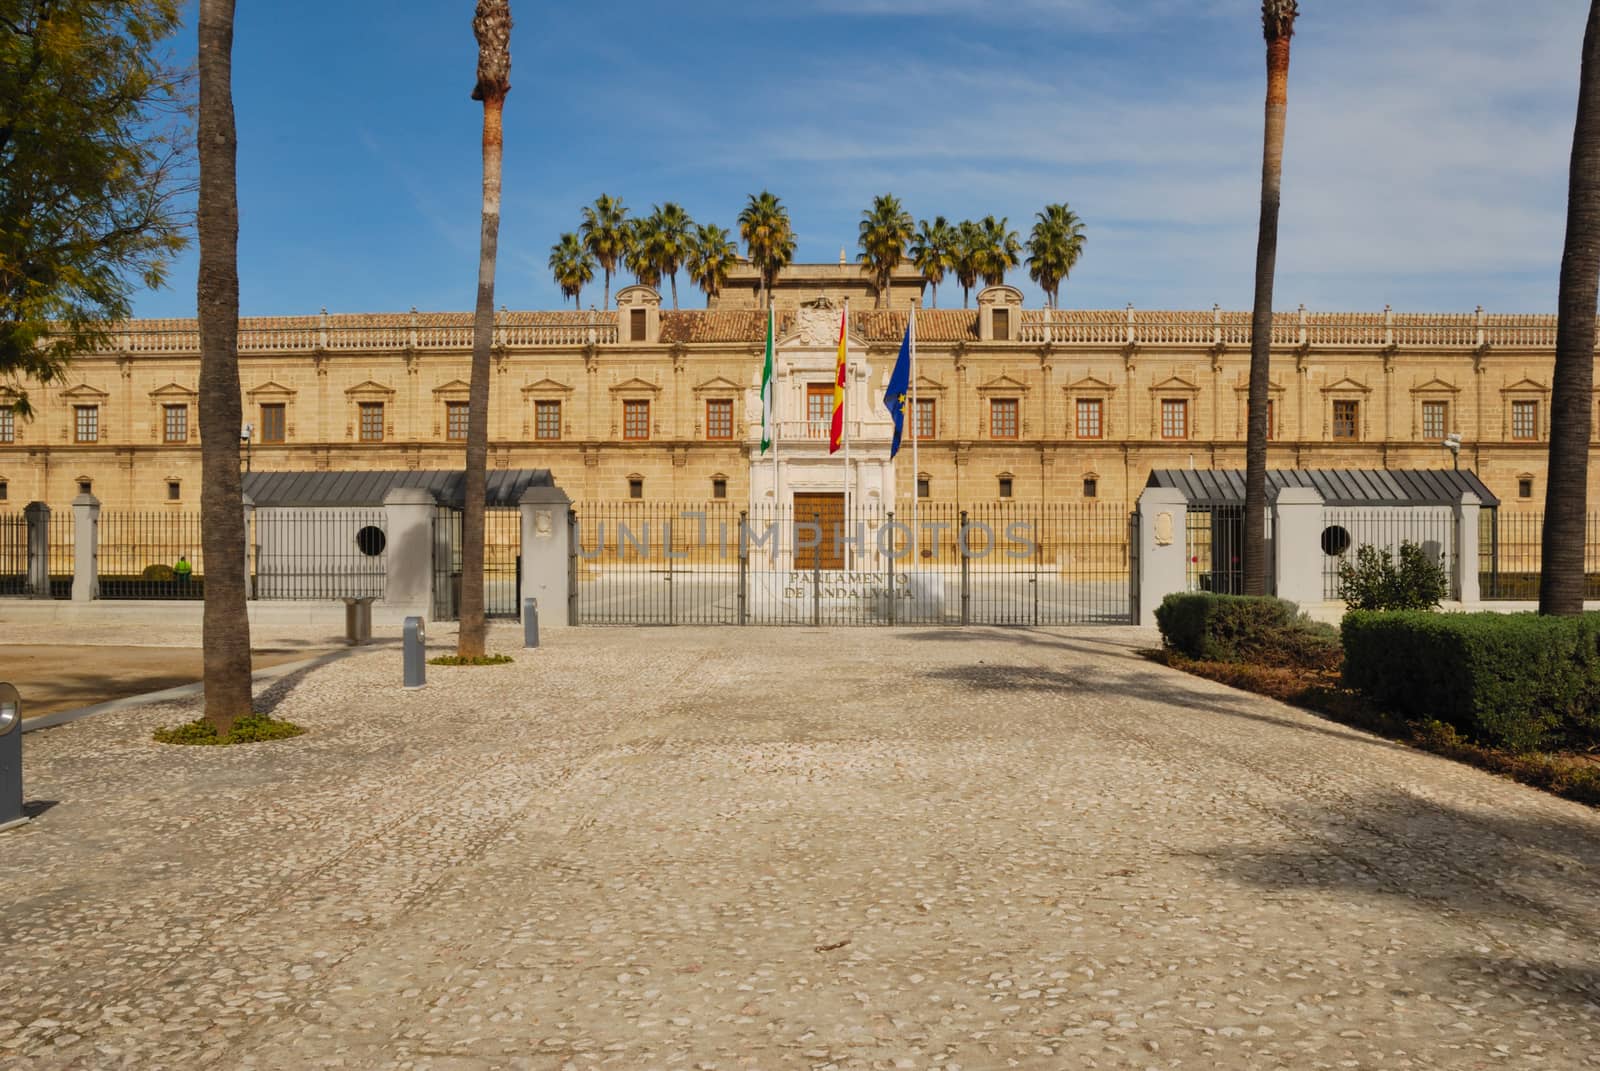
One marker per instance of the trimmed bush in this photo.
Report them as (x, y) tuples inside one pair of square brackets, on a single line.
[(1377, 582), (250, 729), (157, 572), (1518, 681), (1243, 628), (481, 660)]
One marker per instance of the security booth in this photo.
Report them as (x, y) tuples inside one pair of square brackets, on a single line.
[(1352, 508)]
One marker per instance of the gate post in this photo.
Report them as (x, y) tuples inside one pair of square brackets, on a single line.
[(744, 570), (572, 567), (546, 553), (1466, 578), (38, 520), (966, 588), (816, 574), (408, 551), (1297, 545), (888, 567), (86, 548), (1163, 548)]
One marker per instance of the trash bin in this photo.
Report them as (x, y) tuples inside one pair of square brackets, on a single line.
[(358, 620)]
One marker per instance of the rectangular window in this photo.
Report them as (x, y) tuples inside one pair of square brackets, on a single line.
[(819, 410), (635, 487), (455, 421), (1525, 420), (8, 424), (719, 488), (547, 420), (1002, 325), (1002, 418), (1174, 418), (1435, 417), (174, 491), (372, 422), (1091, 487), (1005, 487), (87, 423), (1346, 420), (273, 425), (719, 418), (1524, 488), (1089, 426), (5, 491), (924, 487), (176, 423), (636, 325), (927, 419), (85, 487), (636, 420)]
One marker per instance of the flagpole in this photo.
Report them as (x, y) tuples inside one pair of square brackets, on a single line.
[(772, 415), (844, 425), (916, 469)]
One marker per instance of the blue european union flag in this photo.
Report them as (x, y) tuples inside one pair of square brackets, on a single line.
[(894, 398)]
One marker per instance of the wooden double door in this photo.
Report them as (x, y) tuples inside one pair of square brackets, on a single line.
[(827, 510)]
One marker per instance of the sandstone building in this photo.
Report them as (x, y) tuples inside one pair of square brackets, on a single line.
[(651, 403)]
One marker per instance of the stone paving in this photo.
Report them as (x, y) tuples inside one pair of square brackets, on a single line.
[(747, 848)]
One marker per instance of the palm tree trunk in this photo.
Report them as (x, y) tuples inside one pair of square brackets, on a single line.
[(674, 291), (605, 302), (935, 288), (492, 25), (1561, 581), (226, 624), (1255, 457)]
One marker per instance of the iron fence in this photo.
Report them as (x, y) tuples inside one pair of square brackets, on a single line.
[(1346, 531), (502, 562), (298, 553), (13, 554), (61, 552), (1216, 548), (150, 556), (1005, 563), (1510, 552)]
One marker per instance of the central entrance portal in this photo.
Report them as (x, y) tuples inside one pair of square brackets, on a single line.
[(826, 510)]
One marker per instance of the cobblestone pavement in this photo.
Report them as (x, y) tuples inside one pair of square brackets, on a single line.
[(749, 848)]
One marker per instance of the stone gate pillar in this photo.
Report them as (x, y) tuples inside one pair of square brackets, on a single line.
[(1466, 564), (546, 550), (37, 515), (86, 548), (408, 551), (1297, 544), (1163, 548)]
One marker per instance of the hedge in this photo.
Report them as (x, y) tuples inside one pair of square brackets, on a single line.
[(1243, 628), (1518, 681)]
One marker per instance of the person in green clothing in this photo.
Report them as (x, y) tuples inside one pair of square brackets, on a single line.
[(182, 570)]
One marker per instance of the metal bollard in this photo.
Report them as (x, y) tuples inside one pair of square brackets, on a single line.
[(530, 622), (10, 757), (357, 621), (416, 653)]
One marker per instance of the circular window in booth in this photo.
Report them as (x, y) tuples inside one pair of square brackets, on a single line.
[(371, 541), (1335, 540)]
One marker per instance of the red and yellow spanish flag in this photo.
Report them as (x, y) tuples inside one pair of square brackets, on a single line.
[(836, 433)]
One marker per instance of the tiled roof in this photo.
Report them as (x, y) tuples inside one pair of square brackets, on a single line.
[(1338, 487), (367, 488), (933, 325), (698, 325)]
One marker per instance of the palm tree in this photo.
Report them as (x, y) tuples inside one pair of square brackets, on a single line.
[(606, 235), (639, 257), (966, 256), (1054, 248), (932, 251), (573, 267), (1000, 250), (226, 624), (668, 236), (885, 229), (491, 25), (768, 238), (711, 257), (1561, 581), (1277, 24)]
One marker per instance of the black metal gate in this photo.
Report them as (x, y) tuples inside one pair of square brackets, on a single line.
[(1003, 563), (502, 563)]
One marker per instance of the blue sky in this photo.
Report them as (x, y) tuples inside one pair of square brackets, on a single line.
[(1425, 165)]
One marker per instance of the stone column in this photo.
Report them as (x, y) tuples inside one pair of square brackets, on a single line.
[(1466, 564), (37, 515), (1163, 548), (1297, 544), (546, 552), (408, 556), (86, 549)]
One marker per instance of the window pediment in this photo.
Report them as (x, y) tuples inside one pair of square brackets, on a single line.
[(1174, 384), (1436, 386), (1525, 386), (269, 391), (1347, 386), (718, 385), (546, 387), (1243, 386), (1003, 384), (370, 391), (635, 386), (456, 388), (1090, 385), (174, 392), (84, 393), (925, 384)]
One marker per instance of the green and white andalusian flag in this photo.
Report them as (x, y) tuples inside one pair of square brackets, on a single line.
[(767, 388)]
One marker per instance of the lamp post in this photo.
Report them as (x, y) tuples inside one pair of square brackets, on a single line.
[(1452, 443), (245, 434)]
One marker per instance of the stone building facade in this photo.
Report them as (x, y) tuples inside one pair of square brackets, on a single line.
[(645, 402)]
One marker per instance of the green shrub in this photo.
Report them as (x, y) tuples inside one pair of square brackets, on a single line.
[(157, 572), (250, 729), (481, 660), (1244, 628), (1518, 681), (1377, 582)]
